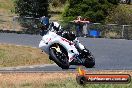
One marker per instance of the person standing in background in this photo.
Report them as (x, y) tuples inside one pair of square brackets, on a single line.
[(78, 26), (85, 27)]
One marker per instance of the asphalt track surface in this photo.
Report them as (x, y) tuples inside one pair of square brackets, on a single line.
[(110, 54)]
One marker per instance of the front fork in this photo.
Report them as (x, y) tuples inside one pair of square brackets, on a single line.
[(77, 60), (80, 59), (78, 44)]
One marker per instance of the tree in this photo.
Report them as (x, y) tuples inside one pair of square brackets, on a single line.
[(121, 15), (96, 10), (28, 10), (31, 8), (114, 1), (57, 3)]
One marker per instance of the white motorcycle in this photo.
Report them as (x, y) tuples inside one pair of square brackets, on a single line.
[(65, 52)]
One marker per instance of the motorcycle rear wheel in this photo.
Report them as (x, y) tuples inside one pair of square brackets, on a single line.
[(60, 59)]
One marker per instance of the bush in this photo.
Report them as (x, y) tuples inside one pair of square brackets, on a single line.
[(120, 15), (96, 10), (57, 3), (31, 8)]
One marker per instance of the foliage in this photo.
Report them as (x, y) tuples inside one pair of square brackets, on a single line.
[(28, 10), (120, 15), (96, 10), (29, 25), (114, 1), (31, 8), (57, 3)]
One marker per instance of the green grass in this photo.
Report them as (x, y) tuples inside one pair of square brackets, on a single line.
[(71, 83), (11, 55), (6, 4), (68, 83), (6, 15)]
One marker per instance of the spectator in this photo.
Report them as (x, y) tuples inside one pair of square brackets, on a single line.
[(85, 27), (78, 26)]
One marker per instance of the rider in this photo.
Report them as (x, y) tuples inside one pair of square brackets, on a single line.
[(44, 25), (56, 27)]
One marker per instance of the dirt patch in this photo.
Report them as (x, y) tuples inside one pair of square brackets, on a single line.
[(17, 78)]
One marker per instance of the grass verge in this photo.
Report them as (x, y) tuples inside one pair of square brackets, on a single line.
[(53, 80), (11, 55)]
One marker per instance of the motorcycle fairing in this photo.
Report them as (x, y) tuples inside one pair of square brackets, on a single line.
[(50, 38)]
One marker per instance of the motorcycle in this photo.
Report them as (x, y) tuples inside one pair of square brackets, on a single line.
[(65, 52)]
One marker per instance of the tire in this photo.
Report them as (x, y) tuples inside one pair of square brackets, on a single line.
[(89, 60), (59, 58), (89, 64)]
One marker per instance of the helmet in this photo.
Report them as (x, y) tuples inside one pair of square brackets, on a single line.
[(45, 21), (55, 26)]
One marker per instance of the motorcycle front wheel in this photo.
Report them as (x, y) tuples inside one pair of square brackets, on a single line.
[(89, 60), (60, 59)]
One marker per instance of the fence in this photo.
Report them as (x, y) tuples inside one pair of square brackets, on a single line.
[(114, 31)]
